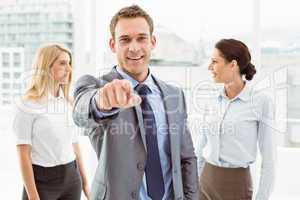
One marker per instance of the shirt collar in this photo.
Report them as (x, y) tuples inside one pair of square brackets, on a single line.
[(244, 95), (60, 95), (149, 80)]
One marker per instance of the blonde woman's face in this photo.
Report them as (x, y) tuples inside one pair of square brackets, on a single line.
[(61, 68)]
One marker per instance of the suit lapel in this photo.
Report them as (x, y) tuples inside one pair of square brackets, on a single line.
[(115, 75), (138, 111)]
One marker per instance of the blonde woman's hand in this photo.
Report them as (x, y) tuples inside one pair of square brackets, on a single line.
[(86, 190), (34, 197)]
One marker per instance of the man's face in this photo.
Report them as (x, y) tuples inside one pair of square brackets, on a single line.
[(133, 44)]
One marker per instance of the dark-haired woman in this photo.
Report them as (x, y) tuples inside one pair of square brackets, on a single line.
[(241, 122)]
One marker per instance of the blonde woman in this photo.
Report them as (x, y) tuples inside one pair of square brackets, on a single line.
[(47, 143)]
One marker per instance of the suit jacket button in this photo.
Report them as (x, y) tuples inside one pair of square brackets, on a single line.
[(134, 195), (140, 166)]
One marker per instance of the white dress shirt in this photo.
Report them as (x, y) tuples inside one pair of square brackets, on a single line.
[(232, 131), (48, 127)]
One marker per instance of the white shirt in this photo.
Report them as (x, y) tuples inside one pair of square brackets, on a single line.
[(48, 127), (233, 130)]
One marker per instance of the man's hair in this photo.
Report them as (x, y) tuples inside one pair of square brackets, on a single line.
[(133, 11)]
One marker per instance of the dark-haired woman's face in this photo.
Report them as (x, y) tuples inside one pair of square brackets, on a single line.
[(220, 68)]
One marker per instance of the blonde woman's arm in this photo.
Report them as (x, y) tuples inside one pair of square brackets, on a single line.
[(85, 183), (22, 129), (24, 153)]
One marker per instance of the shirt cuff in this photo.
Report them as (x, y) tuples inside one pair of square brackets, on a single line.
[(100, 114), (22, 141)]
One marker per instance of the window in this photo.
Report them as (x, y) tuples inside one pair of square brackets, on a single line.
[(69, 25), (6, 102), (46, 17), (5, 86), (69, 36), (12, 37), (17, 86), (280, 62), (5, 59), (17, 59), (1, 35), (5, 75), (17, 75), (5, 95)]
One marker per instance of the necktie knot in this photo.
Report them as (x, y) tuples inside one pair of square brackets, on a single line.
[(142, 89)]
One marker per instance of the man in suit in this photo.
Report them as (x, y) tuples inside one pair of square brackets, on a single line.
[(136, 122)]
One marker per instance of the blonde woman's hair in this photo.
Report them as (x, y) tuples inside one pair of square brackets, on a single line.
[(42, 81)]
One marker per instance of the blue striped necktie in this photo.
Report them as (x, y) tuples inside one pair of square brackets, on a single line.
[(153, 171)]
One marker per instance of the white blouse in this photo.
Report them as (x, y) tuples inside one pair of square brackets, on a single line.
[(232, 134), (48, 127)]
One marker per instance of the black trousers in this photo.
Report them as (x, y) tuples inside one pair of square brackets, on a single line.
[(61, 182)]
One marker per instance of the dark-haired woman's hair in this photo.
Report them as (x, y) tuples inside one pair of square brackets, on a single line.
[(232, 49)]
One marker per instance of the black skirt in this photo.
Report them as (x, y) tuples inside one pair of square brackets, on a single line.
[(59, 182)]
